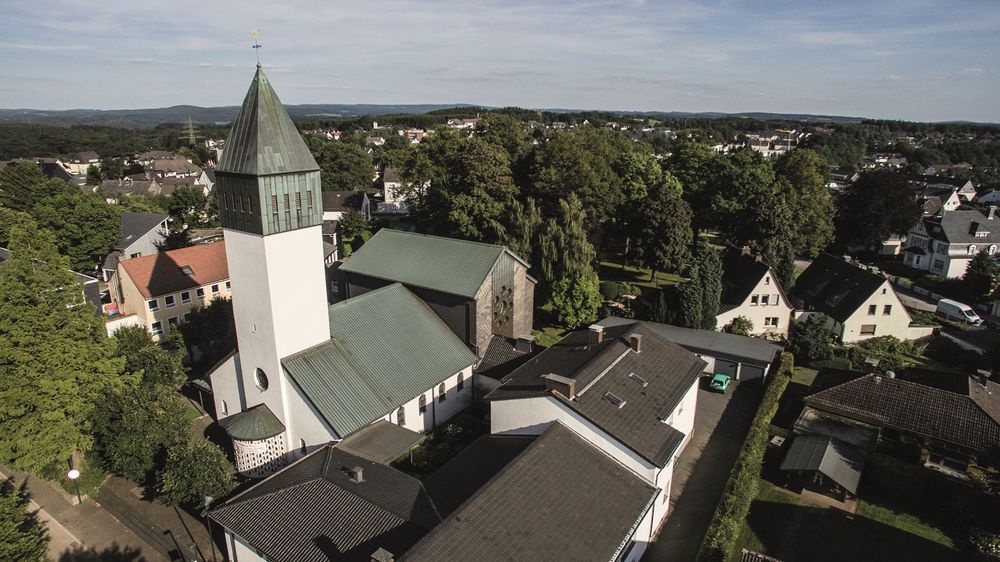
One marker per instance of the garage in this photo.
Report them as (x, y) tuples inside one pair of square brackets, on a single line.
[(740, 357)]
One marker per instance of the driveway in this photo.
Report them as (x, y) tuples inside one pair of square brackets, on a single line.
[(721, 425)]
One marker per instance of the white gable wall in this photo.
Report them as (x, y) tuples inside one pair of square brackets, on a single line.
[(896, 323), (437, 411), (754, 309)]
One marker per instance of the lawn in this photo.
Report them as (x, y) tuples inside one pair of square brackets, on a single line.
[(639, 276), (780, 525)]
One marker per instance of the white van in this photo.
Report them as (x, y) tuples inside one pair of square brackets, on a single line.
[(954, 310)]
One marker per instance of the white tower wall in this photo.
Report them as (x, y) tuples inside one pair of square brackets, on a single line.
[(279, 306)]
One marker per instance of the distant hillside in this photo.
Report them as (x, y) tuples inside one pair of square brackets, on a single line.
[(141, 118)]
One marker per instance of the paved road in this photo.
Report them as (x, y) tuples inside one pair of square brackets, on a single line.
[(721, 425)]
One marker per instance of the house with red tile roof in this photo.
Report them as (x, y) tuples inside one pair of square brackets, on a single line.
[(163, 288)]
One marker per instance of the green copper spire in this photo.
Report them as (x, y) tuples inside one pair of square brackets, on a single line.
[(263, 139), (268, 181)]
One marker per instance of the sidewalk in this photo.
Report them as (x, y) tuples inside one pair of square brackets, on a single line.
[(85, 526)]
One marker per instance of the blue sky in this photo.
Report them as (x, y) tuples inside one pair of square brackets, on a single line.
[(912, 59)]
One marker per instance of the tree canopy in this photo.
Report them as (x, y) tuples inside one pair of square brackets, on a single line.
[(55, 355)]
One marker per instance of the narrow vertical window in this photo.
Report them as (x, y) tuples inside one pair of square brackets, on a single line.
[(298, 200), (422, 404), (461, 381), (442, 393), (309, 199), (401, 416)]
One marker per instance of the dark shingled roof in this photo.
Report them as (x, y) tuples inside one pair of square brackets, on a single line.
[(837, 461), (969, 419), (502, 357), (561, 499), (136, 225), (342, 200), (740, 274), (744, 349), (461, 477), (959, 227), (313, 511), (263, 140), (668, 369), (835, 287)]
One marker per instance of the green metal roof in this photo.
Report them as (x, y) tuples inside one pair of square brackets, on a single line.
[(254, 424), (448, 265), (386, 347), (264, 140)]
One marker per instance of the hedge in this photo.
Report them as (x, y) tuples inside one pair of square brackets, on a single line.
[(731, 513)]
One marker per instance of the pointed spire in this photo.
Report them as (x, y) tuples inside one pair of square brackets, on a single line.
[(263, 140)]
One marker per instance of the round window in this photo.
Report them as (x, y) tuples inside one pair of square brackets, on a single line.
[(261, 379)]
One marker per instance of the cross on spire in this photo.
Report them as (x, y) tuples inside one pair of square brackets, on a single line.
[(255, 36)]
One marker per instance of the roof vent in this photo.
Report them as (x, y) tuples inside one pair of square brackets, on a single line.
[(524, 344), (357, 474), (639, 379), (614, 399), (186, 270), (890, 374)]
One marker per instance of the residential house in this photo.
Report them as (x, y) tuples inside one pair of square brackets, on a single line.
[(479, 290), (142, 235), (413, 135), (393, 200), (991, 197), (463, 124), (858, 304), (933, 199), (174, 167), (336, 203), (163, 288), (965, 188), (207, 181), (81, 161), (56, 170), (956, 418), (944, 244), (306, 373), (625, 389), (751, 290), (115, 190)]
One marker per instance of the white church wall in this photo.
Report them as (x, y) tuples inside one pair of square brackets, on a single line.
[(437, 411), (304, 423), (226, 388), (240, 550)]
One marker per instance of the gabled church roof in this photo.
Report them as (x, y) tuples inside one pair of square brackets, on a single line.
[(264, 140), (386, 347), (450, 265)]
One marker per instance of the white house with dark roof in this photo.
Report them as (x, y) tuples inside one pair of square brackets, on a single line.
[(625, 389), (142, 235), (306, 373), (944, 244), (858, 304), (751, 290)]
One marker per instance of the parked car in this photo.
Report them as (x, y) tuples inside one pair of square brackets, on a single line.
[(720, 382), (954, 310)]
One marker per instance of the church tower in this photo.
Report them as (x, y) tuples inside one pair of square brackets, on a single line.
[(270, 206)]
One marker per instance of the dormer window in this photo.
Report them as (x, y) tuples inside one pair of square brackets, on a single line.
[(982, 233)]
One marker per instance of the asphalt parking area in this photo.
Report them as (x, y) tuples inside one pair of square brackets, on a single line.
[(721, 425)]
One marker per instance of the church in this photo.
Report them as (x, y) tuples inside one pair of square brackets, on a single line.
[(306, 373)]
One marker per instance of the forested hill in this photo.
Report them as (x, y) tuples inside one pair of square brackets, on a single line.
[(142, 118), (145, 118)]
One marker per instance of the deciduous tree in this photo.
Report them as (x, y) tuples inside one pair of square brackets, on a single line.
[(981, 275), (194, 469), (55, 356), (811, 204), (879, 204), (663, 229), (85, 226)]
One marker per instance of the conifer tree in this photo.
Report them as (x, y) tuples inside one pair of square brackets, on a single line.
[(22, 537)]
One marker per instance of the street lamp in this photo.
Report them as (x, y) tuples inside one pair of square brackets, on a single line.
[(73, 475)]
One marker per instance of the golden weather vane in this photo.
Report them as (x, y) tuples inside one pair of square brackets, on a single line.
[(255, 36)]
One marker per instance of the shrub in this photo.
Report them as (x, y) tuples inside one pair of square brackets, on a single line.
[(842, 363), (741, 326), (724, 530), (609, 290)]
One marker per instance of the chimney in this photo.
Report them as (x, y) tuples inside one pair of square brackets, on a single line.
[(382, 555), (357, 474), (745, 251), (558, 383), (993, 212), (596, 332), (635, 342), (524, 344), (982, 377)]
